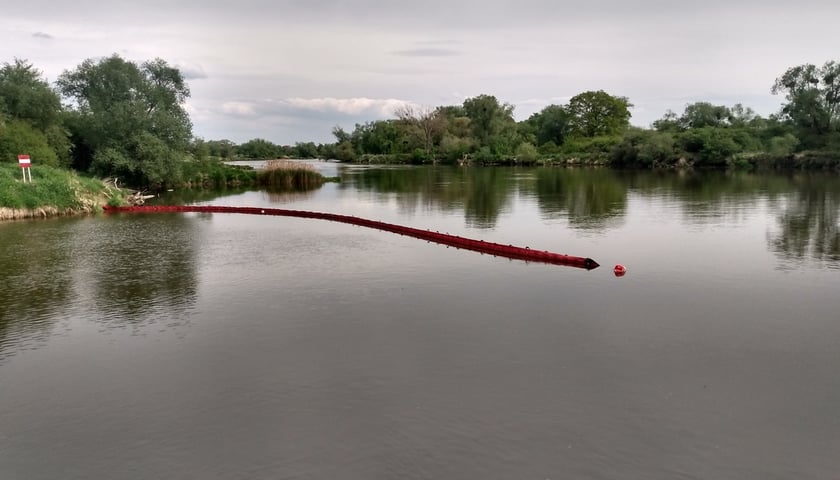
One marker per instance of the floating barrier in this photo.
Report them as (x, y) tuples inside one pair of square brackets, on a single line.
[(507, 251)]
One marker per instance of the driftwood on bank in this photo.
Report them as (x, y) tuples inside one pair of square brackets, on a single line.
[(133, 197)]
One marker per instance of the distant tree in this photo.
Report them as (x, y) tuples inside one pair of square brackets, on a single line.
[(222, 149), (488, 117), (741, 116), (257, 148), (379, 137), (670, 122), (305, 150), (429, 124), (598, 114), (551, 124), (813, 97), (340, 135), (704, 114)]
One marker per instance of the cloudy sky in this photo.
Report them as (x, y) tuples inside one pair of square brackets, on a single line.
[(289, 70)]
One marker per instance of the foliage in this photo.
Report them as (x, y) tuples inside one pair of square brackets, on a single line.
[(644, 149), (258, 149), (551, 124), (24, 95), (526, 153), (128, 118), (598, 113), (20, 137), (488, 117), (813, 98)]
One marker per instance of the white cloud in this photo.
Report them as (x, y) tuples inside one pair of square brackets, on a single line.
[(241, 109), (350, 106)]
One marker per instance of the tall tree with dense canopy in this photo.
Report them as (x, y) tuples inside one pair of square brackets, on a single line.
[(488, 117), (551, 124), (30, 117), (128, 119), (597, 113), (813, 97)]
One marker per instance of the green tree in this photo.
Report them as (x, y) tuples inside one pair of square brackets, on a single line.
[(551, 124), (128, 119), (813, 97), (489, 118), (24, 95), (257, 148), (426, 123), (20, 137), (598, 114), (222, 149), (704, 114)]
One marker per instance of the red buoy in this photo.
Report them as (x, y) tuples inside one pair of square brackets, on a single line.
[(619, 270)]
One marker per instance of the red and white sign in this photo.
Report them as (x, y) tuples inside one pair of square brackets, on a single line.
[(24, 162)]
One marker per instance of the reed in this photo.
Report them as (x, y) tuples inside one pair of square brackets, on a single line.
[(289, 175)]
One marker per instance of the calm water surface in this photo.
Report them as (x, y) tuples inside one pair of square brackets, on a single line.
[(211, 346)]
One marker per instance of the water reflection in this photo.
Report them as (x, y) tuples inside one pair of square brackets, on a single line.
[(143, 269), (482, 193), (37, 281), (806, 206), (808, 220), (116, 270), (590, 199)]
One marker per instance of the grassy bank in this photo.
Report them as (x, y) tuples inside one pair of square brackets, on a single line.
[(53, 191)]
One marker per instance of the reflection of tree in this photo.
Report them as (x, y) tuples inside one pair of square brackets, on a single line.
[(288, 196), (486, 192), (809, 220), (589, 198), (481, 192), (36, 280), (194, 195), (143, 267)]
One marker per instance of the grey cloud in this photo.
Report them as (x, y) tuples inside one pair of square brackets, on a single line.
[(43, 35)]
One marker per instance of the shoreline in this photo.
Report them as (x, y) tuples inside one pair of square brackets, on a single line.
[(44, 212)]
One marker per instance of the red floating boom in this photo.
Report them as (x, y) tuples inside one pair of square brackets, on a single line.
[(508, 251)]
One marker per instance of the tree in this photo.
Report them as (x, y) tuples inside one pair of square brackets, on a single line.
[(551, 124), (24, 95), (813, 96), (128, 118), (488, 117), (33, 113), (598, 113), (704, 114), (257, 148), (428, 123)]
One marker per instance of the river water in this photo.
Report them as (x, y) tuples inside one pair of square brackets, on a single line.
[(214, 346)]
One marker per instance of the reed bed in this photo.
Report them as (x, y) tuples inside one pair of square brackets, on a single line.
[(289, 175)]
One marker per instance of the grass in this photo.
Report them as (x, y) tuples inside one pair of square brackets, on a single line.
[(289, 175), (53, 191)]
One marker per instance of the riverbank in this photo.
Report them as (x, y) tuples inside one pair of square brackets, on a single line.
[(53, 192)]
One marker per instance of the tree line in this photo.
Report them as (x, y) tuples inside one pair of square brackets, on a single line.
[(114, 117)]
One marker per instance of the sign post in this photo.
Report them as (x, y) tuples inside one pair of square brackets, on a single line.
[(25, 167)]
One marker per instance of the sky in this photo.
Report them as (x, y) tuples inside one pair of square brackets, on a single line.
[(290, 70)]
